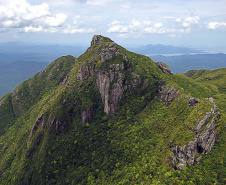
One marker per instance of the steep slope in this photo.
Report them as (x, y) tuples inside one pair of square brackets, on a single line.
[(32, 90), (110, 117)]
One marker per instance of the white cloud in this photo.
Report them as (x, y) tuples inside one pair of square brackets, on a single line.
[(99, 2), (178, 19), (74, 29), (147, 23), (33, 29), (188, 21), (21, 14), (118, 28), (186, 24), (137, 28), (135, 23), (192, 20), (115, 23), (55, 20), (216, 25), (153, 30), (22, 10), (158, 25)]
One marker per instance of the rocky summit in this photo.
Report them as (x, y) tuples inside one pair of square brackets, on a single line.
[(112, 116)]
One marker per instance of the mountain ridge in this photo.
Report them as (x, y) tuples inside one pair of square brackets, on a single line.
[(107, 116)]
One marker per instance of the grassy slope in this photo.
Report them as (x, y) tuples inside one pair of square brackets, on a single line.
[(215, 80), (130, 148)]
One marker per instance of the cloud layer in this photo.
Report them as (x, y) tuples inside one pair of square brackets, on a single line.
[(21, 16), (123, 18)]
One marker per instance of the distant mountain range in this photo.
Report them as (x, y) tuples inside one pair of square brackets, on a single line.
[(184, 63), (15, 73), (19, 61), (164, 49), (19, 51)]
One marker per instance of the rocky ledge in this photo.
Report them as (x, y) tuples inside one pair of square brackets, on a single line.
[(168, 93), (165, 68), (202, 144)]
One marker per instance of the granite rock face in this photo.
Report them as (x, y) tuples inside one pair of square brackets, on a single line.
[(165, 69), (168, 93), (111, 81), (114, 78), (83, 73), (96, 39), (202, 144)]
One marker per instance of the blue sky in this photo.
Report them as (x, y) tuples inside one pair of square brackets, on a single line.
[(196, 23)]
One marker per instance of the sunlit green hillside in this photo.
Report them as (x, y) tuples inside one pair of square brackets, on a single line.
[(111, 116)]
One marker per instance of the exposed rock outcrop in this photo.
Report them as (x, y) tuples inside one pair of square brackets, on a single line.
[(114, 79), (193, 101), (40, 120), (86, 70), (96, 39), (168, 93), (83, 73), (110, 82), (203, 143), (36, 125), (165, 68)]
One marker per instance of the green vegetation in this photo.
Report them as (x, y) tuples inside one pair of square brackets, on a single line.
[(43, 140), (215, 81)]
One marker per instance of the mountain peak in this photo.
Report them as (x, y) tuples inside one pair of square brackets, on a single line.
[(113, 116), (97, 39)]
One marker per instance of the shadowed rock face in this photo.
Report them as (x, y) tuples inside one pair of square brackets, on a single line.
[(104, 80), (168, 94), (203, 143)]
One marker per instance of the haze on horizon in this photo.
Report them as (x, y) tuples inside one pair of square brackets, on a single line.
[(195, 23)]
